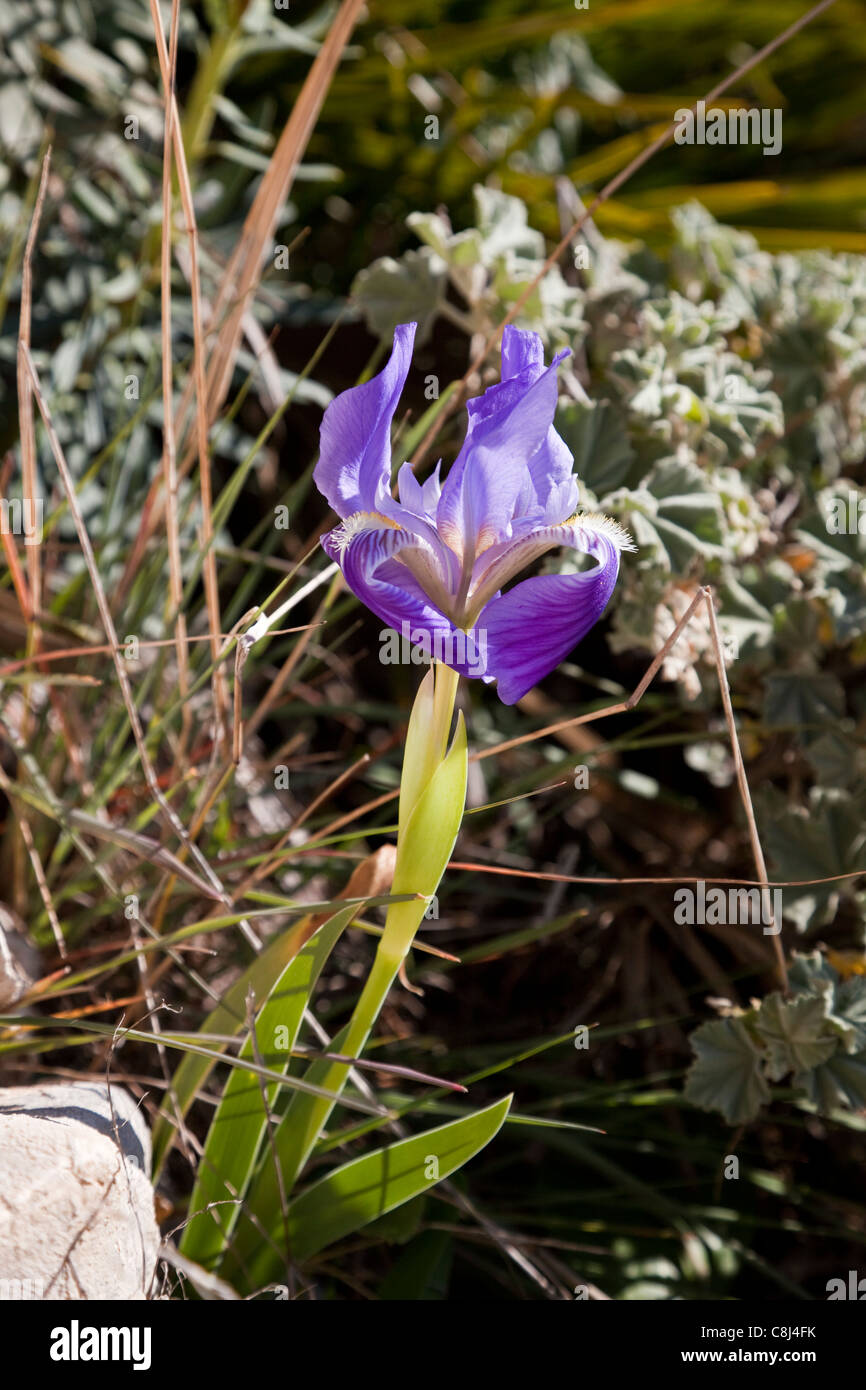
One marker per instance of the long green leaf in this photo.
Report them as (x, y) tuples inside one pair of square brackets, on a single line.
[(227, 1017), (236, 1132), (367, 1187), (425, 849)]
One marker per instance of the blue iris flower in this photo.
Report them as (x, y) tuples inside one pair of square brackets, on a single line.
[(436, 562)]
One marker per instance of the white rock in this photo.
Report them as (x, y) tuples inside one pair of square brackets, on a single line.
[(19, 961), (76, 1203)]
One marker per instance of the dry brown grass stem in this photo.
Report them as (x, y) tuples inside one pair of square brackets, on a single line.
[(169, 447), (211, 585)]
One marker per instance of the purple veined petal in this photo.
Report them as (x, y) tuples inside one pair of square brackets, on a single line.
[(372, 570), (550, 492), (431, 491), (507, 427), (533, 627), (551, 473), (502, 563), (435, 566), (521, 351), (421, 499), (354, 467), (529, 539)]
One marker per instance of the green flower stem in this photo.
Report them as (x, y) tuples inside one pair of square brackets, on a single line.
[(432, 797), (427, 745)]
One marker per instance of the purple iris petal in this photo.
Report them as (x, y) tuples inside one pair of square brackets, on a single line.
[(550, 489), (507, 427), (354, 468), (421, 499), (393, 593), (371, 571), (534, 626), (521, 351), (434, 564)]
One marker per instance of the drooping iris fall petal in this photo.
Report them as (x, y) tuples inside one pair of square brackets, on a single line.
[(533, 627)]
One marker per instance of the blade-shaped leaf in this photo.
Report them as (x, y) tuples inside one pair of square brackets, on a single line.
[(238, 1126), (227, 1017), (371, 878), (367, 1187), (425, 848)]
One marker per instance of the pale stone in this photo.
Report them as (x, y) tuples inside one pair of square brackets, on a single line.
[(19, 961), (76, 1204)]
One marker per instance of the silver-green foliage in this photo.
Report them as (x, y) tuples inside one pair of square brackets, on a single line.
[(813, 1042)]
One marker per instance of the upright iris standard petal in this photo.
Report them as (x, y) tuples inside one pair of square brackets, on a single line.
[(421, 499), (550, 489), (434, 565), (508, 425), (354, 468), (521, 352)]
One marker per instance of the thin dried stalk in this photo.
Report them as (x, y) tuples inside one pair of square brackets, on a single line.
[(743, 785), (27, 435), (170, 815), (703, 596), (169, 448), (19, 579), (211, 585), (27, 432), (36, 862)]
